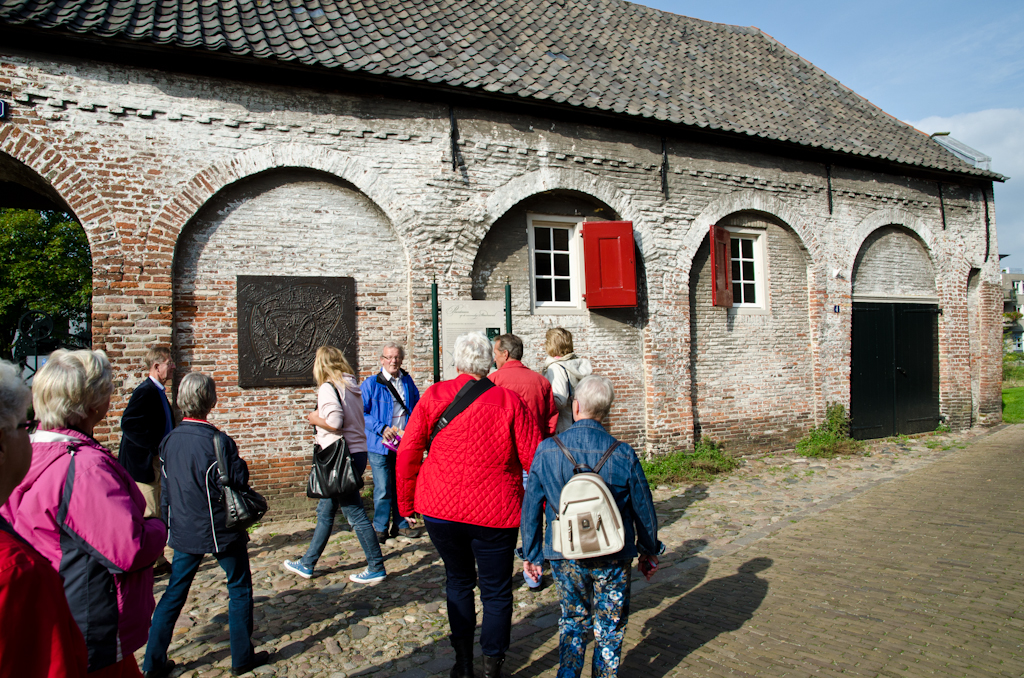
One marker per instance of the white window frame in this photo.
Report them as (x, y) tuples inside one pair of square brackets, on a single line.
[(577, 282), (760, 251)]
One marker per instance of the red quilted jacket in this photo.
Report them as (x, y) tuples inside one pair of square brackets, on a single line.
[(474, 472)]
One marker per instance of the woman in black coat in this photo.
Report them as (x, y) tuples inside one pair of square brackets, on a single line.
[(194, 511)]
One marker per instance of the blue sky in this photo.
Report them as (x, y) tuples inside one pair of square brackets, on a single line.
[(941, 66)]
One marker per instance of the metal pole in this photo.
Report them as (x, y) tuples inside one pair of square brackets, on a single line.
[(437, 341), (508, 306)]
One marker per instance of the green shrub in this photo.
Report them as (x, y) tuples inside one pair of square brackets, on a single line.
[(831, 437), (707, 460)]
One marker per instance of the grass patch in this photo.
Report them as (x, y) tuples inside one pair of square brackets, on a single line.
[(707, 460), (1013, 405), (831, 438)]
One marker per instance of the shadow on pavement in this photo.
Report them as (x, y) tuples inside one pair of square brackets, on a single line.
[(718, 606)]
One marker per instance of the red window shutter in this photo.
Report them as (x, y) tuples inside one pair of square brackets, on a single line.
[(721, 267), (609, 264)]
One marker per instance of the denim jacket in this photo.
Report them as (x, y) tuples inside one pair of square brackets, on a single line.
[(587, 441)]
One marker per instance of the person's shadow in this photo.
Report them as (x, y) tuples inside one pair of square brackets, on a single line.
[(716, 607)]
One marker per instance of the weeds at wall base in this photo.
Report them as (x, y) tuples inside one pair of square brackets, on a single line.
[(707, 461), (831, 438)]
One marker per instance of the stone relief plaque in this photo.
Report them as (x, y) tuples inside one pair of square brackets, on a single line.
[(283, 320)]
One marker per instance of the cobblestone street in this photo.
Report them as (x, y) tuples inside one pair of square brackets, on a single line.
[(903, 562)]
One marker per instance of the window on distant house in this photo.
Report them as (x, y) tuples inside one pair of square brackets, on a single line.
[(555, 263)]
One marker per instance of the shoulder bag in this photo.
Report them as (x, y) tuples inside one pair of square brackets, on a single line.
[(469, 392), (333, 475), (242, 507)]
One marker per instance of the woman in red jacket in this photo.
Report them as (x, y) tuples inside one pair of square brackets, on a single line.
[(470, 492)]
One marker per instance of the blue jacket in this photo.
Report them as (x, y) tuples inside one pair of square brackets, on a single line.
[(192, 500), (587, 441), (379, 406)]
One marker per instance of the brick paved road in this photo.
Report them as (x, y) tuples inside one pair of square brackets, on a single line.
[(920, 576)]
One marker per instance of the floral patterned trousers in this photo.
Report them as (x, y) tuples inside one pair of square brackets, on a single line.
[(593, 593)]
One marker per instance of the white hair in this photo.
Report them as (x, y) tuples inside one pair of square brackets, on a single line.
[(393, 344), (69, 385), (595, 395), (14, 397), (473, 354), (197, 394)]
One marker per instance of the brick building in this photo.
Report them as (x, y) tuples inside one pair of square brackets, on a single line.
[(397, 143)]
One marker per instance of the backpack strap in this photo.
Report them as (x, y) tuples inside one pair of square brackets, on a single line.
[(394, 392), (568, 380), (469, 392), (69, 484), (583, 468)]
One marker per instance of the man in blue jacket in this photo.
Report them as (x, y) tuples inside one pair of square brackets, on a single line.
[(603, 580), (388, 399)]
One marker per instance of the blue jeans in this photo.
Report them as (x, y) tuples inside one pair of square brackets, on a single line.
[(235, 563), (356, 516), (465, 549), (592, 593), (385, 493)]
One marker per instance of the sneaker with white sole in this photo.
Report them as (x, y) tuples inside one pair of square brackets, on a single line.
[(367, 577), (296, 567)]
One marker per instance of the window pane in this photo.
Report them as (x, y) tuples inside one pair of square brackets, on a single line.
[(542, 262), (748, 270), (543, 289), (737, 293), (542, 238), (734, 247), (561, 239), (561, 264), (748, 293), (736, 270), (748, 248), (562, 290)]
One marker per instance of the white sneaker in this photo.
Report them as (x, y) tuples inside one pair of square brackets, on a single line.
[(367, 577)]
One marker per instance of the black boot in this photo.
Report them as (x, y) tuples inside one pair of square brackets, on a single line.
[(492, 666), (463, 657)]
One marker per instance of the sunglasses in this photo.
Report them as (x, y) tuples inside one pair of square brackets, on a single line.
[(31, 425)]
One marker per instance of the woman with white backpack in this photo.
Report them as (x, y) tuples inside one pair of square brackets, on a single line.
[(583, 531)]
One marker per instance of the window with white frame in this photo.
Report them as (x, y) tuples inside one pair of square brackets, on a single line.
[(748, 273), (556, 278)]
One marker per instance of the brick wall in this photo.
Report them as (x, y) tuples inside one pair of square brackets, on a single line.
[(893, 263), (182, 183)]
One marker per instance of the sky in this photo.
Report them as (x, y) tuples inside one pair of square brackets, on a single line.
[(941, 66)]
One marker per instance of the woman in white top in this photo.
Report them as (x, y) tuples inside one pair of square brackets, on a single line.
[(564, 369), (339, 413)]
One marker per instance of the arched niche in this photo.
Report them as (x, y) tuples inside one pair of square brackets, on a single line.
[(752, 367), (893, 263), (282, 222), (611, 338)]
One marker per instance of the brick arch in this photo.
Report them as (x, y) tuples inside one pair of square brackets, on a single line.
[(72, 185), (744, 200), (893, 217), (167, 226)]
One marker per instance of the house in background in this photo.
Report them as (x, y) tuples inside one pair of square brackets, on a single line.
[(1013, 302), (777, 243)]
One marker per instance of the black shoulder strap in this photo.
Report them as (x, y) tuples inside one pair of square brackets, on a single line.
[(69, 484), (391, 387), (222, 465), (469, 392), (579, 468)]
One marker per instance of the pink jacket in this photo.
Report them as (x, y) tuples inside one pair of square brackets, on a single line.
[(105, 513)]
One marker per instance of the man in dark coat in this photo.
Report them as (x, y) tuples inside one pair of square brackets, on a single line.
[(145, 422)]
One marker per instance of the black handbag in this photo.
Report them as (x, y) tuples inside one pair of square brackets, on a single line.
[(242, 508), (333, 475)]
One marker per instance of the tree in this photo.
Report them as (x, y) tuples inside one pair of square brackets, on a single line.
[(45, 265)]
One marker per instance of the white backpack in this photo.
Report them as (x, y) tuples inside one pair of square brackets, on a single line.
[(588, 522)]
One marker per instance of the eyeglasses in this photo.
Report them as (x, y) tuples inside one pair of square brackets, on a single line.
[(394, 359), (31, 425)]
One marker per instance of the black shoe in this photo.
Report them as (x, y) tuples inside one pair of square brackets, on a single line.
[(382, 537), (492, 666), (161, 672), (409, 533), (258, 660), (463, 657)]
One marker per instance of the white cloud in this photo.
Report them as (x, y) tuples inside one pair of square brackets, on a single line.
[(998, 132)]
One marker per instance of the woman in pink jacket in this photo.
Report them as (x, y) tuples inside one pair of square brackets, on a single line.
[(82, 511)]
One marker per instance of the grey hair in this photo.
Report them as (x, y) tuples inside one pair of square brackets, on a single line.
[(197, 394), (510, 343), (69, 385), (595, 395), (15, 396), (393, 344), (473, 354)]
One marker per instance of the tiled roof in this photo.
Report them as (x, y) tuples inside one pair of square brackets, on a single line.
[(606, 55)]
